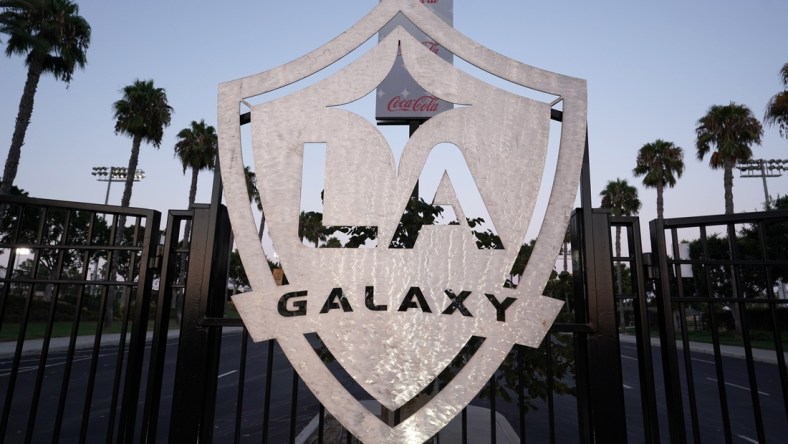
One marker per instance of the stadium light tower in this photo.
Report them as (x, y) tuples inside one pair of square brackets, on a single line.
[(763, 168), (114, 174)]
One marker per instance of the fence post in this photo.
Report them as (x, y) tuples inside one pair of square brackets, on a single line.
[(600, 381), (194, 394)]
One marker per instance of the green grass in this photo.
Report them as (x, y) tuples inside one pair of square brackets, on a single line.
[(36, 330), (758, 338), (9, 331)]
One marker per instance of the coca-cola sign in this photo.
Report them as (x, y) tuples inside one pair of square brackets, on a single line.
[(427, 104), (400, 97)]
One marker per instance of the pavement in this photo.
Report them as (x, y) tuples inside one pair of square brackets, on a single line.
[(34, 346), (732, 351), (478, 428)]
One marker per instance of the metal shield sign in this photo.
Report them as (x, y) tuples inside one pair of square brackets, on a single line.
[(395, 318)]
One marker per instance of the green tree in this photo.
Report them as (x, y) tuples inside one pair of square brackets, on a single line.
[(236, 273), (660, 163), (310, 227), (777, 108), (518, 268), (54, 39), (622, 199), (196, 148), (729, 130), (142, 113), (254, 196)]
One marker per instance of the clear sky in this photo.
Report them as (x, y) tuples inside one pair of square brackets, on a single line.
[(653, 69)]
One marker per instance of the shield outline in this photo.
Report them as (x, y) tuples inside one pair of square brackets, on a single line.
[(450, 401)]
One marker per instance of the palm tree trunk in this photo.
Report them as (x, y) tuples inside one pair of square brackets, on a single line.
[(660, 202), (124, 202), (619, 277), (262, 225), (22, 122), (131, 170), (727, 181), (566, 257), (192, 195)]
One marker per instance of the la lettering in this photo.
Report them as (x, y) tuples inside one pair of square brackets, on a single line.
[(294, 303)]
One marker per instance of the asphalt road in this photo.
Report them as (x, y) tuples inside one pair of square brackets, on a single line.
[(250, 429)]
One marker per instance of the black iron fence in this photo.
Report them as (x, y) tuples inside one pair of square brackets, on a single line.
[(111, 332), (75, 291), (721, 292)]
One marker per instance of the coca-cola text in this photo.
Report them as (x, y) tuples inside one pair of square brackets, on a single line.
[(421, 104)]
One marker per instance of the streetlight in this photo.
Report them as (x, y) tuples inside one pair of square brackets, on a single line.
[(114, 174), (763, 168)]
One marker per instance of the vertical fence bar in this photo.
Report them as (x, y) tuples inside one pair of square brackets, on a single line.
[(580, 268), (239, 401), (670, 369), (269, 370), (648, 397), (136, 354), (169, 260)]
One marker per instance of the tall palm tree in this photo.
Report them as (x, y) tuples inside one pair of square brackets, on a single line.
[(660, 163), (142, 113), (622, 199), (54, 39), (196, 148), (729, 130), (777, 108)]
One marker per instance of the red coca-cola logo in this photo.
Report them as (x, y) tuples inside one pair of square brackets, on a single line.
[(432, 46), (422, 104)]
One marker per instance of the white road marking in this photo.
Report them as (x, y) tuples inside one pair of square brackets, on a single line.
[(627, 387), (34, 368), (747, 439), (739, 387), (226, 374)]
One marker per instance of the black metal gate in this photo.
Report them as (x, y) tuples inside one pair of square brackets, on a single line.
[(92, 350), (75, 292)]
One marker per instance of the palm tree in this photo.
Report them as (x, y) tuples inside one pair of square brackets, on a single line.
[(777, 108), (254, 196), (730, 130), (196, 148), (660, 163), (54, 39), (142, 113), (310, 227), (622, 199)]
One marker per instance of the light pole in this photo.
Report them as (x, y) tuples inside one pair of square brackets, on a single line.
[(763, 168), (114, 174)]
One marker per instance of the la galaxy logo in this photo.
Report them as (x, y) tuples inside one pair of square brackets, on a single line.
[(395, 318)]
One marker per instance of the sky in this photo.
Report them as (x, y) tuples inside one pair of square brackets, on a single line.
[(653, 69)]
